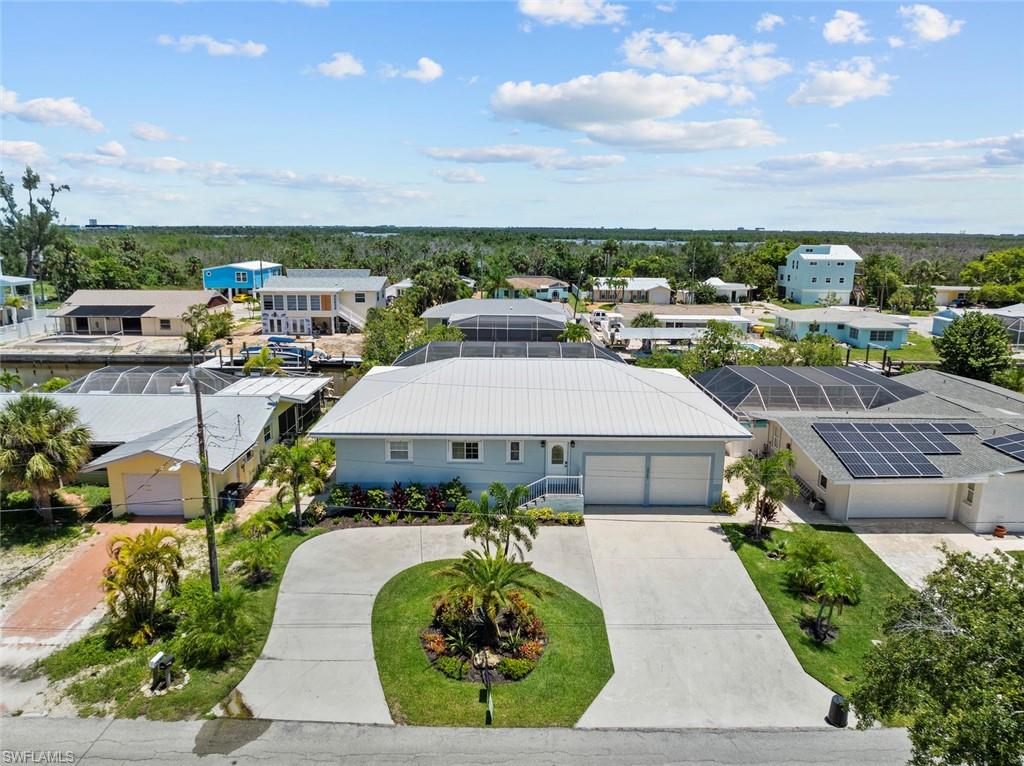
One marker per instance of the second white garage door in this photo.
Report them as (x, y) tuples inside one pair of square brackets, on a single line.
[(646, 479), (158, 495)]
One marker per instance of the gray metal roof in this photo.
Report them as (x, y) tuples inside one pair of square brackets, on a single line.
[(298, 282), (518, 397), (439, 349), (470, 307), (158, 303), (290, 389)]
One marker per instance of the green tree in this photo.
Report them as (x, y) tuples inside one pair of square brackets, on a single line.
[(757, 266), (489, 581), (975, 346), (299, 468), (257, 558), (141, 569), (28, 232), (503, 525), (42, 443), (882, 277), (440, 285), (704, 293), (212, 627), (951, 664), (494, 277), (575, 333), (264, 362), (817, 350), (197, 335), (645, 319), (56, 383), (719, 345), (481, 527), (835, 584), (9, 380), (67, 269), (902, 301), (767, 481)]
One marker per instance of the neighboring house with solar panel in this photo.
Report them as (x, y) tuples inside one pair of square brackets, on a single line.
[(859, 329), (143, 424), (575, 431), (923, 445), (132, 312), (501, 319), (815, 272), (326, 301)]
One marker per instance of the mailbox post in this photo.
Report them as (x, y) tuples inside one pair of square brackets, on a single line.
[(160, 666)]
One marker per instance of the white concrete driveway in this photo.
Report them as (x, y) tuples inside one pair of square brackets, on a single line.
[(318, 664), (692, 641)]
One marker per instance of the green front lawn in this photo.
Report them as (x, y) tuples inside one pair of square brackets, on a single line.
[(1019, 555), (573, 669), (836, 664), (917, 349)]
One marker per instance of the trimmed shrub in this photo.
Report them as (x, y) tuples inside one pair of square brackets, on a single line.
[(515, 670), (454, 492), (575, 519), (724, 505), (417, 500), (377, 498), (531, 650), (452, 613), (357, 497), (541, 514), (453, 667), (564, 518), (434, 502), (434, 642), (399, 497), (212, 627), (339, 495)]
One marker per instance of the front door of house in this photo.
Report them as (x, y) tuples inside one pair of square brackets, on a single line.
[(558, 459)]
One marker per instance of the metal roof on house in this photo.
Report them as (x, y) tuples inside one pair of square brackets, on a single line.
[(247, 265), (471, 307), (531, 282), (288, 388), (825, 253), (673, 310), (632, 283), (297, 281), (157, 303), (872, 320), (519, 397), (436, 350)]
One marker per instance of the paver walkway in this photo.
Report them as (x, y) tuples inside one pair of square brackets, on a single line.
[(693, 643), (318, 663)]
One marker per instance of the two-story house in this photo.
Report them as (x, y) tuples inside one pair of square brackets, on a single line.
[(326, 301), (242, 277), (818, 274)]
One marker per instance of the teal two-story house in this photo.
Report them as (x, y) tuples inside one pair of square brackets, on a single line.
[(818, 274), (859, 329), (243, 277)]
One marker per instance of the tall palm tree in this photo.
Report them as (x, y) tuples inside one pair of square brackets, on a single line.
[(513, 526), (645, 319), (767, 481), (141, 568), (265, 362), (481, 521), (575, 333), (9, 380), (835, 584), (42, 443), (300, 468), (489, 581), (494, 278)]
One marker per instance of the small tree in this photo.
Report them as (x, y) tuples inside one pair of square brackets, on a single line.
[(818, 350), (265, 362), (42, 443), (212, 627), (902, 301), (30, 231), (9, 380), (704, 293), (56, 383), (951, 663), (835, 584), (299, 468), (141, 569), (575, 333), (975, 346), (767, 481), (645, 319)]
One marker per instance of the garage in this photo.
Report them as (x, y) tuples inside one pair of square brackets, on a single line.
[(646, 479), (908, 500), (158, 495)]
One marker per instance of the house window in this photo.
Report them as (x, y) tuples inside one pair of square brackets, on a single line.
[(775, 436), (241, 277), (399, 451), (840, 327), (882, 335), (515, 452), (464, 451), (842, 280), (165, 324), (360, 297), (268, 302), (293, 302), (828, 280), (854, 333), (268, 433), (813, 263), (278, 303), (314, 303), (788, 276), (302, 302), (248, 457), (840, 264), (822, 481), (813, 280), (969, 496)]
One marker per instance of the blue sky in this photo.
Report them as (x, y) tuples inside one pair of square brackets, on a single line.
[(874, 116)]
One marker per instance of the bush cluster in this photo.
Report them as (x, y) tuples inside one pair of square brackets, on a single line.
[(415, 497), (453, 667), (548, 516), (515, 669), (724, 505)]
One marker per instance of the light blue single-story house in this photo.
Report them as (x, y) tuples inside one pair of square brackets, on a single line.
[(242, 277), (858, 329), (1012, 318), (542, 288), (575, 431)]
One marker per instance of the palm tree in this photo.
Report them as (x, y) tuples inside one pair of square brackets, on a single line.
[(298, 468), (575, 333), (767, 481), (494, 278), (141, 568), (835, 584), (42, 443), (264, 361), (481, 521), (512, 525), (9, 380), (489, 581), (645, 319)]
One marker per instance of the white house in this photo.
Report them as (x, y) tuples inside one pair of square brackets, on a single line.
[(729, 292), (17, 302), (327, 301), (813, 273), (631, 290)]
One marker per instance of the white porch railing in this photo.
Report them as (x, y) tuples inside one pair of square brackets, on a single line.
[(554, 485)]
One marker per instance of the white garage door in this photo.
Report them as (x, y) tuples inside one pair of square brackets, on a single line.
[(912, 500), (614, 479), (679, 480), (158, 495)]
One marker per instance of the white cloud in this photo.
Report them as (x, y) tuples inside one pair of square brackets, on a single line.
[(896, 41), (720, 56), (427, 70), (213, 46), (768, 22), (460, 176), (854, 80), (49, 111), (628, 109), (131, 164), (1003, 150), (314, 3), (665, 7), (575, 13), (22, 152), (928, 24), (147, 131), (341, 65), (111, 149), (846, 27), (541, 157)]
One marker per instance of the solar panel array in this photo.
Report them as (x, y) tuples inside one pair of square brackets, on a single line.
[(1011, 444), (890, 450)]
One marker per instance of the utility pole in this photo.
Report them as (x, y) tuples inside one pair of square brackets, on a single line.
[(204, 477)]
